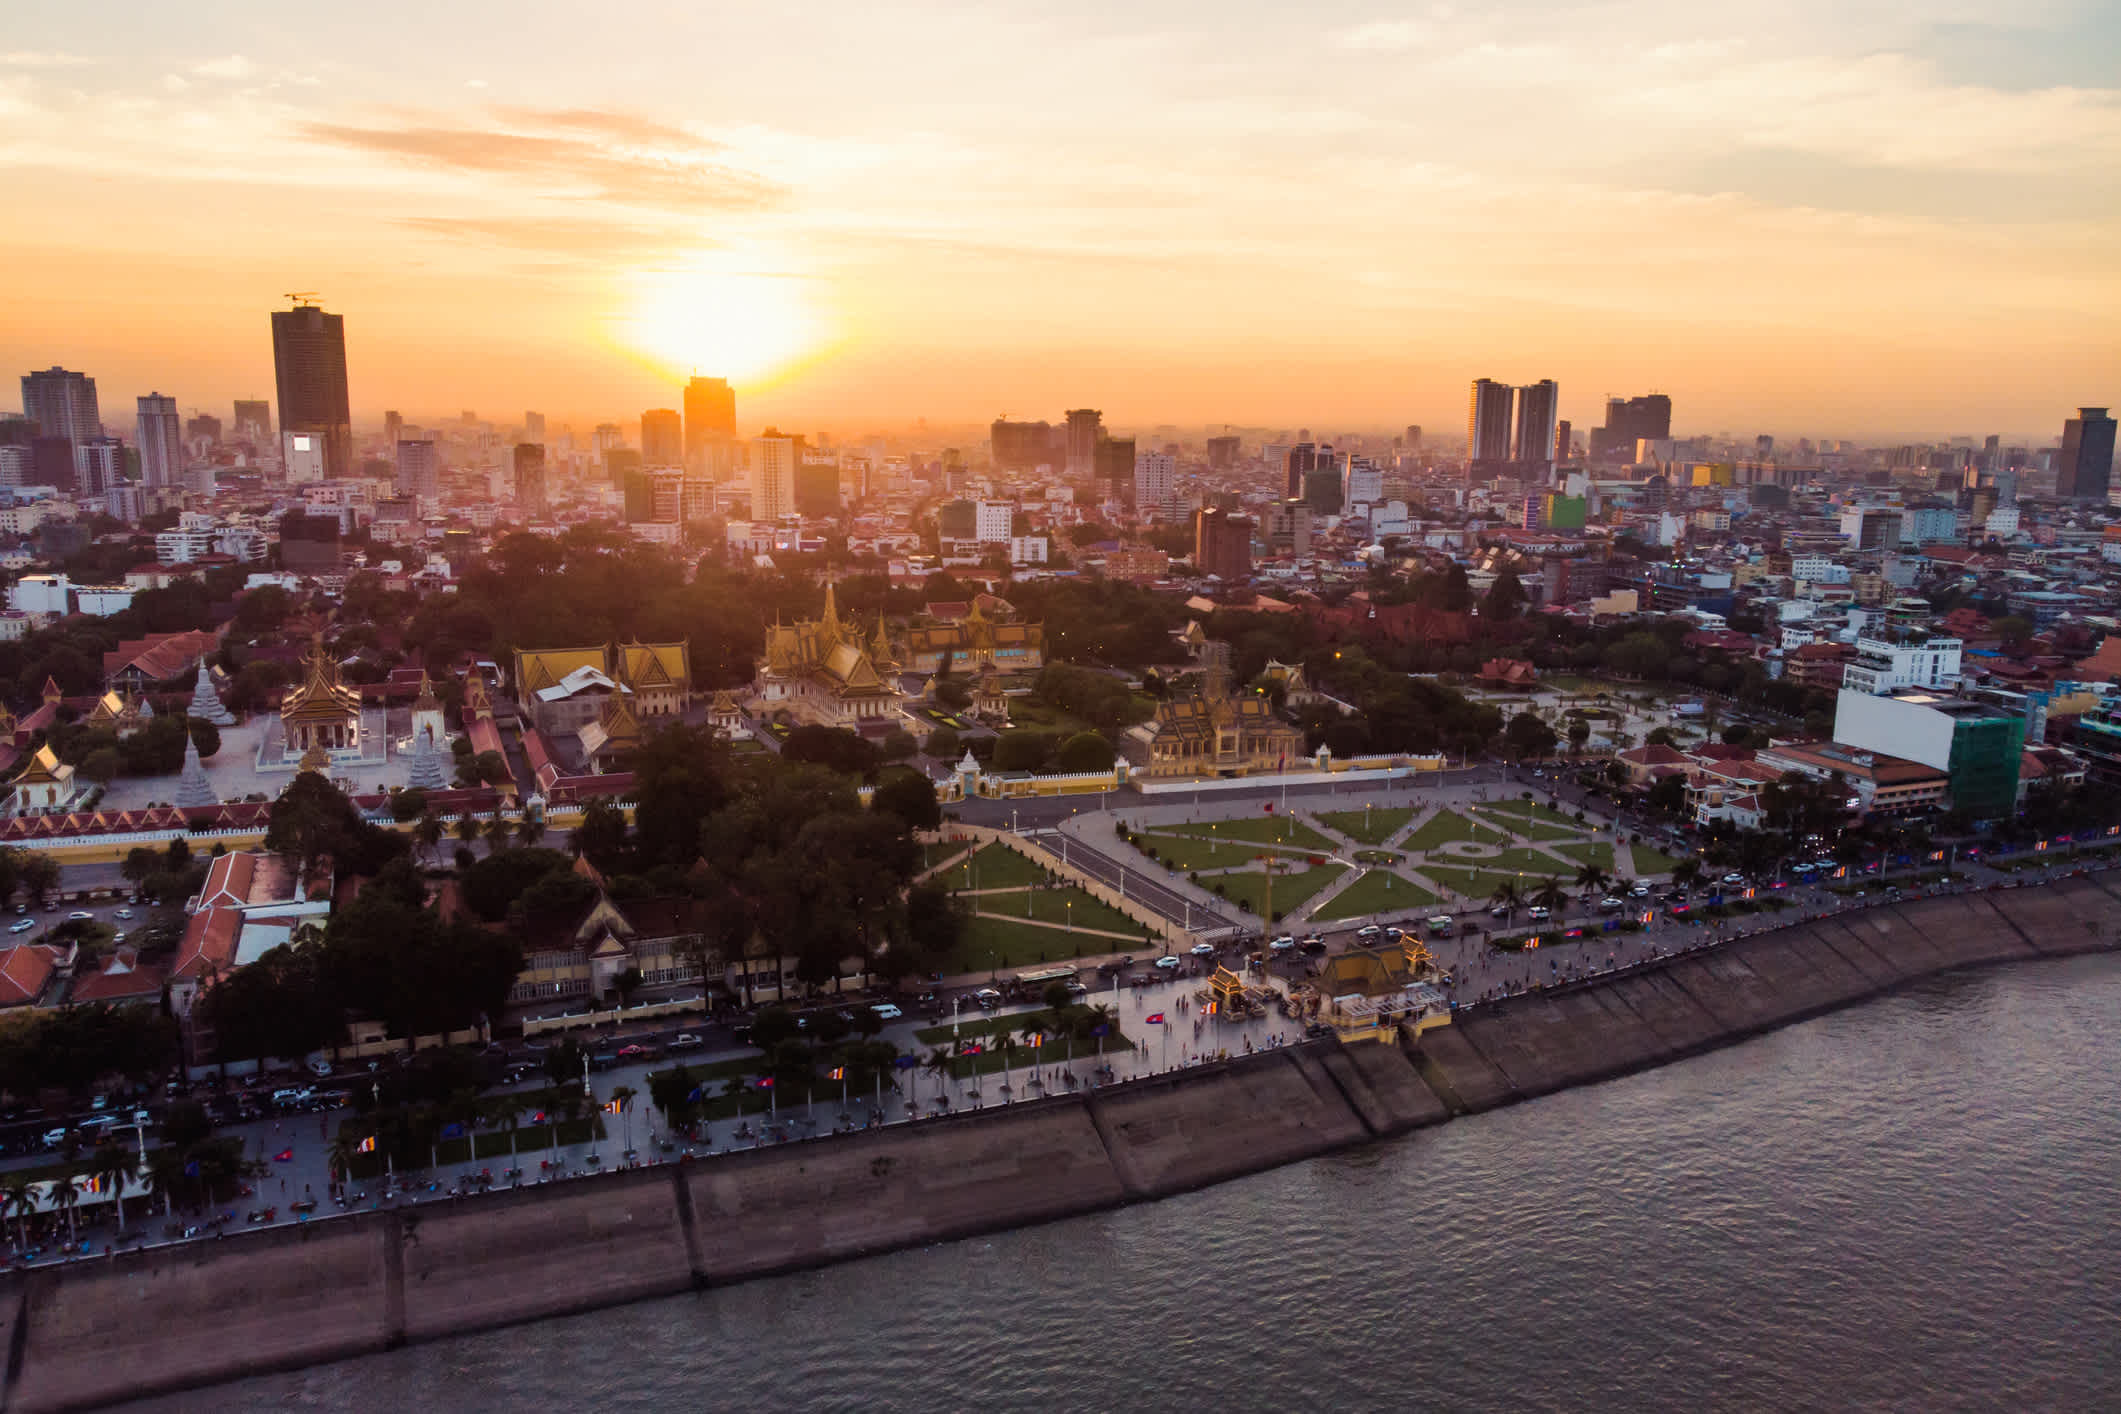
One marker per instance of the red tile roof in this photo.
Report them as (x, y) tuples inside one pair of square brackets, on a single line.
[(209, 944), (25, 971)]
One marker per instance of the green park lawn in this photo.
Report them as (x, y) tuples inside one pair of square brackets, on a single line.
[(1037, 716), (1260, 829), (1377, 891), (1530, 862), (1537, 822), (530, 1140), (1447, 826), (934, 854), (1290, 890), (1650, 861), (1064, 905), (1004, 945), (1589, 852), (1184, 853), (995, 867), (1478, 884), (1368, 826)]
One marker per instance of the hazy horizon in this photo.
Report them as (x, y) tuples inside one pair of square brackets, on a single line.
[(1806, 220)]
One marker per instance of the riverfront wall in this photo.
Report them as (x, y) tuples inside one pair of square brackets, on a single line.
[(95, 1332)]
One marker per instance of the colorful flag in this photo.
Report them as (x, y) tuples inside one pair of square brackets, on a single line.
[(285, 1156), (1100, 1030), (765, 1082), (692, 1096), (905, 1062), (368, 1145), (191, 1168), (452, 1131), (1154, 1018), (839, 1072), (612, 1107), (1035, 1039)]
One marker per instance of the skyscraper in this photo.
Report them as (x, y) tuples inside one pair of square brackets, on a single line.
[(773, 475), (253, 420), (534, 427), (710, 420), (1112, 462), (419, 469), (1564, 435), (62, 404), (99, 464), (1538, 410), (530, 479), (618, 461), (1222, 544), (2085, 466), (1297, 463), (309, 369), (161, 438), (1020, 446), (1488, 425), (1630, 420), (1085, 427), (393, 429), (1155, 482), (662, 438)]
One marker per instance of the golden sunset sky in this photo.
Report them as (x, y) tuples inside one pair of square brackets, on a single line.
[(1856, 219)]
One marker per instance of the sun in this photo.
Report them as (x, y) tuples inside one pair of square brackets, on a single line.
[(738, 325)]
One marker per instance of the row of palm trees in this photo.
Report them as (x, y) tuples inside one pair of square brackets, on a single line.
[(1591, 880), (108, 1168), (405, 1131)]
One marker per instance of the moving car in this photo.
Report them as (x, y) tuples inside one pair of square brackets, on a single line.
[(885, 1011), (1734, 878), (1439, 926), (1368, 930), (123, 913), (22, 925), (989, 998), (1610, 904), (1313, 944), (1282, 945), (1202, 949), (80, 916), (1539, 914), (1167, 963), (688, 1041), (319, 1067)]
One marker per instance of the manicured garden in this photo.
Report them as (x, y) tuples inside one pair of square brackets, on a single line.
[(1368, 826), (1005, 944), (1291, 890), (1377, 891), (1067, 905), (1448, 826), (995, 867), (1259, 829), (1186, 854)]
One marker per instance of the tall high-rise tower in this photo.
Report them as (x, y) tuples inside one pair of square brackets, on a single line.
[(309, 366), (161, 441), (62, 404), (530, 479), (253, 420), (1488, 424), (710, 420), (419, 469), (1084, 427), (2085, 467), (773, 459), (1538, 409), (662, 438)]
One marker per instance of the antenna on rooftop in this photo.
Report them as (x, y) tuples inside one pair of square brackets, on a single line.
[(303, 299)]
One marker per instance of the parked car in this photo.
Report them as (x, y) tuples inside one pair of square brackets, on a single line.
[(988, 998), (1282, 945), (686, 1041), (53, 1138), (319, 1067), (1313, 944), (1539, 914), (123, 913), (632, 1052), (1734, 879), (885, 1011), (1611, 904), (1368, 931)]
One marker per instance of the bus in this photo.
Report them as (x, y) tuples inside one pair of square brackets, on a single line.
[(1033, 981)]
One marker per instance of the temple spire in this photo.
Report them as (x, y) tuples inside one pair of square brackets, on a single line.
[(194, 790), (206, 703)]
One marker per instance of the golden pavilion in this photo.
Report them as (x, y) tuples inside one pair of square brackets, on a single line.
[(321, 711), (820, 673)]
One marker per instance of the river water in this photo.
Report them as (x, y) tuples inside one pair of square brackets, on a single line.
[(1909, 1205)]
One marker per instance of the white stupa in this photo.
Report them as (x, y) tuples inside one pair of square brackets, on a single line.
[(206, 703), (194, 790)]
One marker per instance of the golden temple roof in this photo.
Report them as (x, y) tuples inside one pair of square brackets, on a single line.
[(320, 696)]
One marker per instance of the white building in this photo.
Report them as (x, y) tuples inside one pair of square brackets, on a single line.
[(1881, 666), (1155, 481), (1366, 482), (102, 600), (301, 456), (161, 434), (2003, 522), (772, 477), (1028, 549), (1926, 525), (993, 522), (39, 594), (1817, 569)]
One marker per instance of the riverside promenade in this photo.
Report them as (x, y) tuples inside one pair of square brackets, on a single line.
[(97, 1331)]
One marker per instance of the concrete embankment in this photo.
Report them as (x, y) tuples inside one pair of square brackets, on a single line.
[(96, 1332)]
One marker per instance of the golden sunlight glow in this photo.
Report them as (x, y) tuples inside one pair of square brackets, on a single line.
[(725, 324)]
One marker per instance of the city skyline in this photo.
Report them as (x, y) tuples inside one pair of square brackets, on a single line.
[(1794, 222)]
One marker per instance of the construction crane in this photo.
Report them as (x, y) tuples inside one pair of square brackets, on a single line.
[(303, 299)]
